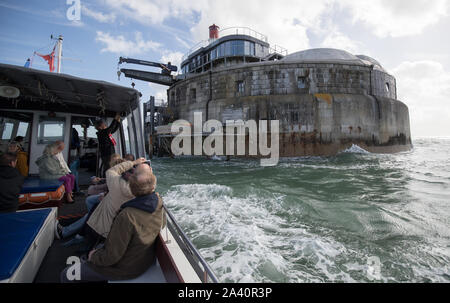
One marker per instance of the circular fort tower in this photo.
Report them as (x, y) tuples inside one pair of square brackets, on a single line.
[(325, 99)]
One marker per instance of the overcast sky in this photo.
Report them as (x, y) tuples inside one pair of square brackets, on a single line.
[(410, 38)]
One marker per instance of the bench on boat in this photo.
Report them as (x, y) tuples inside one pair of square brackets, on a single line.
[(25, 237), (40, 193)]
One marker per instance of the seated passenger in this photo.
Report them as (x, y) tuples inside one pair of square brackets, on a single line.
[(129, 157), (99, 223), (53, 167), (11, 182), (22, 157), (129, 249), (100, 185), (92, 201)]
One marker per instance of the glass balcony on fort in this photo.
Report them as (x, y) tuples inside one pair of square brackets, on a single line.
[(226, 51)]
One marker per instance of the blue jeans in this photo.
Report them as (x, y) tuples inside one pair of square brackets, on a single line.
[(76, 226), (91, 201), (74, 171)]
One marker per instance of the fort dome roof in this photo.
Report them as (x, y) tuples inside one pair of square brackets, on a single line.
[(331, 55), (321, 54)]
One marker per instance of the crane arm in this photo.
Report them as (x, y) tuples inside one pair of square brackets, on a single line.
[(166, 68)]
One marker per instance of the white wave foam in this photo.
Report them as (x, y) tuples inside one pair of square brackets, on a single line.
[(246, 240), (355, 149)]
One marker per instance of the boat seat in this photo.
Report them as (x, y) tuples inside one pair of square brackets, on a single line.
[(39, 193), (25, 237), (153, 275)]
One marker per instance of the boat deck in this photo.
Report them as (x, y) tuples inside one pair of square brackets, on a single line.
[(55, 259)]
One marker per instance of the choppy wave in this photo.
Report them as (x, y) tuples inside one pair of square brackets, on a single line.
[(355, 149), (317, 219)]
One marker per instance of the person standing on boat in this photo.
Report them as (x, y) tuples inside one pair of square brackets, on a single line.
[(52, 166), (22, 157), (11, 182), (106, 142), (129, 249)]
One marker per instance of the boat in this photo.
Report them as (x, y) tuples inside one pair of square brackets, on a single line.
[(43, 107)]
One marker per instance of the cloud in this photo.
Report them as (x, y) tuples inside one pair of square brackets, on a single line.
[(284, 22), (173, 57), (425, 87), (159, 92), (120, 45), (156, 11), (99, 16), (336, 39), (396, 18)]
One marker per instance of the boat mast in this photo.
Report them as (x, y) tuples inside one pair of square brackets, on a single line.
[(60, 40)]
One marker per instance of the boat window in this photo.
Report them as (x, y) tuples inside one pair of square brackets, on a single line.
[(23, 129), (50, 129), (7, 131), (126, 136)]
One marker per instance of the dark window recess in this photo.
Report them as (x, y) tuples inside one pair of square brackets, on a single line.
[(387, 87), (193, 94), (301, 82), (294, 117)]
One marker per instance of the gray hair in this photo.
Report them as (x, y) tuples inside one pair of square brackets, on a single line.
[(50, 148)]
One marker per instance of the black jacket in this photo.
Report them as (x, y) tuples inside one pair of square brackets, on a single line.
[(105, 145), (11, 182)]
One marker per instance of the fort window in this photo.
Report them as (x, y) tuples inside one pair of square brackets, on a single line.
[(240, 86), (294, 117), (193, 94), (301, 82), (387, 87)]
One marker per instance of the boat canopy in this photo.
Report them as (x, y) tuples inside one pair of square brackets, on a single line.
[(42, 90)]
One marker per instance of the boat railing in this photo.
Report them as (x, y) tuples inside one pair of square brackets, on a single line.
[(199, 264)]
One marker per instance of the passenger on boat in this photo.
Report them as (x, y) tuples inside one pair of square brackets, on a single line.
[(99, 223), (129, 249), (52, 166), (22, 157), (11, 182), (106, 141), (100, 185), (92, 202), (19, 140), (129, 157)]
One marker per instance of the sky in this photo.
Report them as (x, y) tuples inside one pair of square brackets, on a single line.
[(410, 38)]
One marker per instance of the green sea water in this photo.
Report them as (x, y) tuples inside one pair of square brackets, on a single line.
[(318, 219)]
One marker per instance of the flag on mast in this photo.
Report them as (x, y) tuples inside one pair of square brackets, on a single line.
[(50, 58)]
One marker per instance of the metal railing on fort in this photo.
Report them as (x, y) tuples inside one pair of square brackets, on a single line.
[(194, 257), (226, 32)]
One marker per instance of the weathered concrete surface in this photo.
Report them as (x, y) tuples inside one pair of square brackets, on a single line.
[(335, 105)]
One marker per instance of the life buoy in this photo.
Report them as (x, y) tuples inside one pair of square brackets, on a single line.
[(38, 198)]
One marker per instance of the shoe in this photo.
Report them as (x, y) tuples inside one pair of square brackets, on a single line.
[(58, 230)]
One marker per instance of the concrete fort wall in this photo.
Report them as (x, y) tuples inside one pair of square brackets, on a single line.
[(322, 107)]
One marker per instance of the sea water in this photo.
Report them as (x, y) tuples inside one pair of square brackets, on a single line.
[(318, 219)]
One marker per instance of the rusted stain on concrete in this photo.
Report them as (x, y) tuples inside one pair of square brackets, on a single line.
[(325, 97)]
